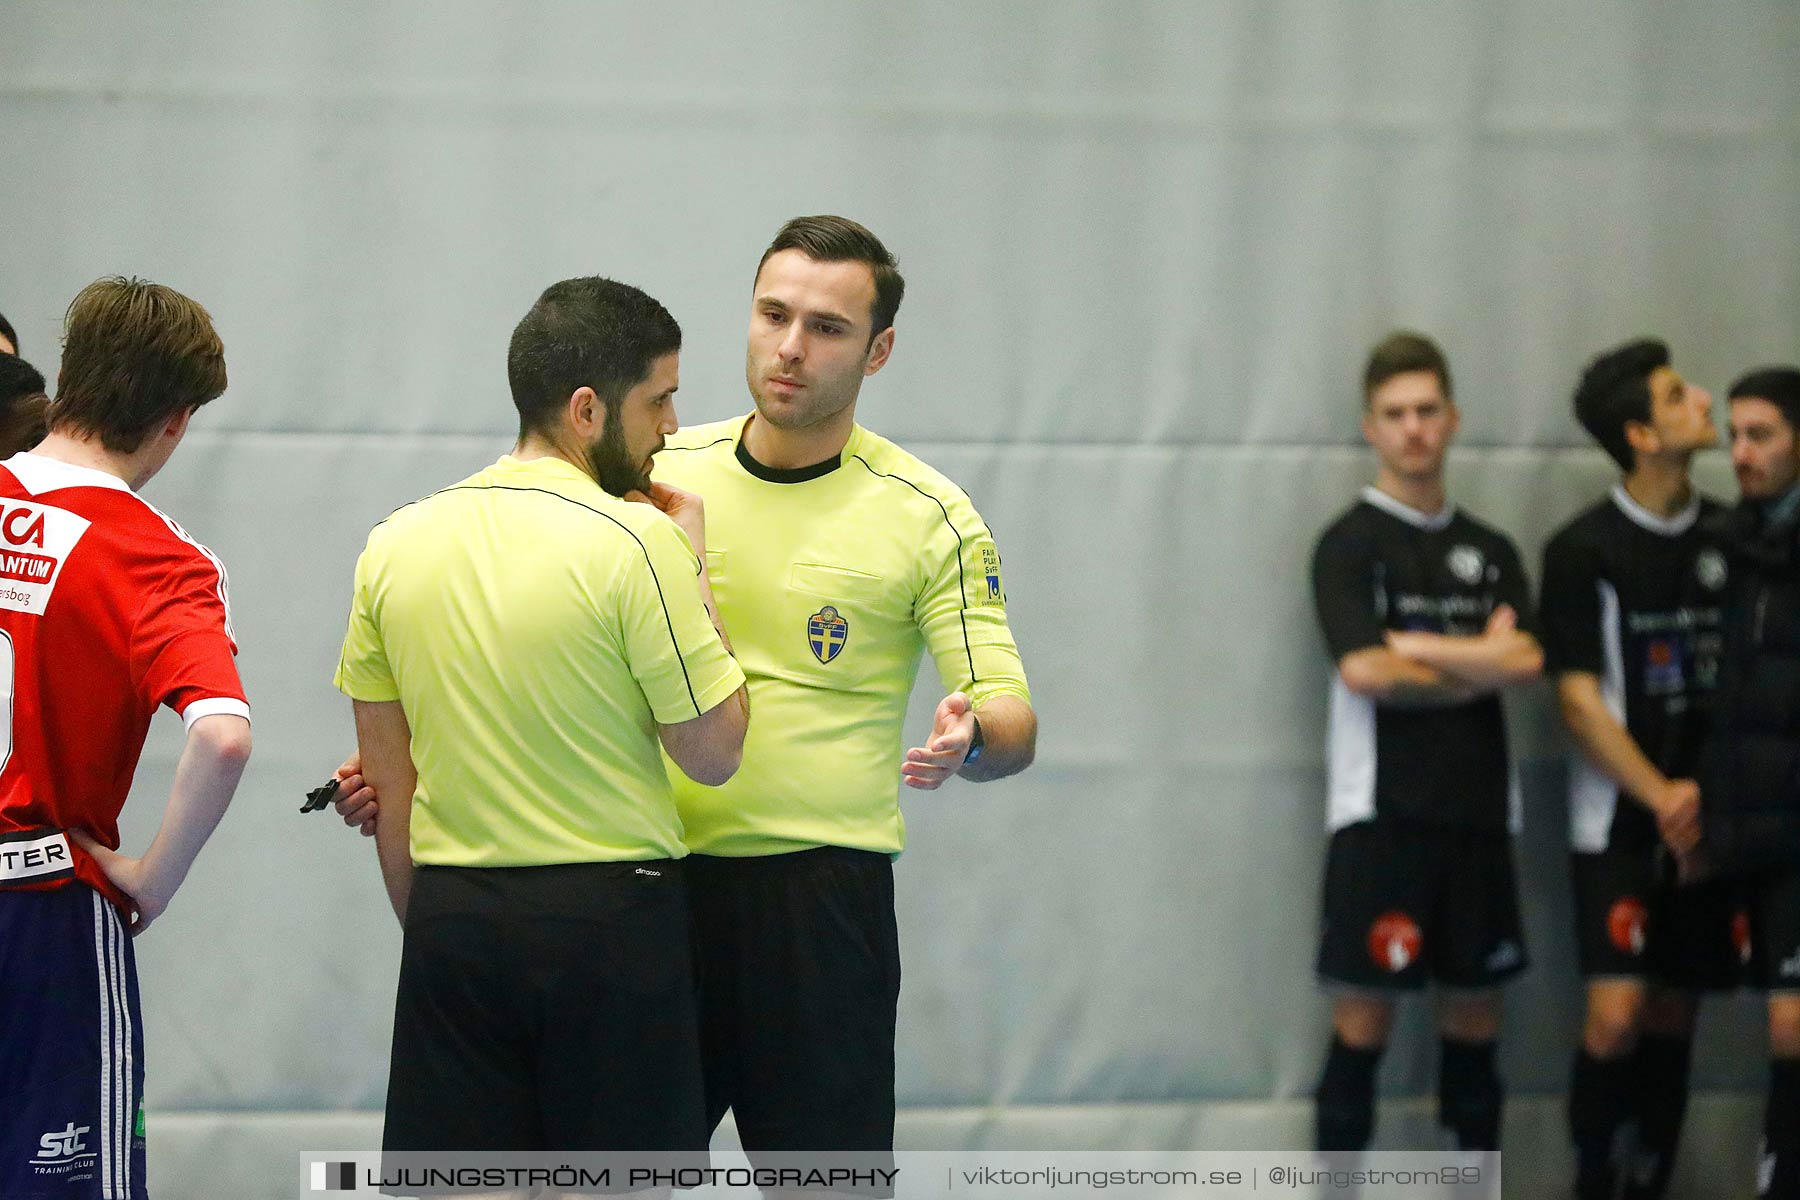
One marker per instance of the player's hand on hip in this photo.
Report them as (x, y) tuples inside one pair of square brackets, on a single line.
[(952, 730), (126, 874), (355, 798)]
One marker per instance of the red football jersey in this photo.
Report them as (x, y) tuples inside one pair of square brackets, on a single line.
[(108, 610)]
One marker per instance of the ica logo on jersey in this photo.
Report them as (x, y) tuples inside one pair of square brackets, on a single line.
[(24, 527), (35, 541)]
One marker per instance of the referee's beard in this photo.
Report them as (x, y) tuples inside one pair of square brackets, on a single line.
[(611, 462)]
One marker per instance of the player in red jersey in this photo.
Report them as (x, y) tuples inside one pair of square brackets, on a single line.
[(108, 611)]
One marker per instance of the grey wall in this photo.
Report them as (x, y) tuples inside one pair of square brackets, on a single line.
[(1146, 246)]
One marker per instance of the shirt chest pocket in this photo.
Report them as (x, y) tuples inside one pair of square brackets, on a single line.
[(834, 583)]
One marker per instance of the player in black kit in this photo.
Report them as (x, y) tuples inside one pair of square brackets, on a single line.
[(1750, 785), (1425, 612), (1633, 589)]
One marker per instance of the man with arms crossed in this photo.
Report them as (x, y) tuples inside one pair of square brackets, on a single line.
[(1750, 794), (108, 610), (519, 642), (1631, 610), (1422, 609)]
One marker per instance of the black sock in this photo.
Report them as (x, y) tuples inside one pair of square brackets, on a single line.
[(1344, 1112), (1781, 1131), (1660, 1078), (1599, 1099), (1470, 1094)]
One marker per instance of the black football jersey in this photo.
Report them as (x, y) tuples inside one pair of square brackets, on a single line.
[(1636, 599), (1384, 566)]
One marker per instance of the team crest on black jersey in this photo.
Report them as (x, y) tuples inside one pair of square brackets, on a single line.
[(826, 633), (1710, 569), (1466, 562)]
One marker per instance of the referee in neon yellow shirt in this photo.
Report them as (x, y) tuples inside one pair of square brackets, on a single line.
[(838, 559), (519, 643)]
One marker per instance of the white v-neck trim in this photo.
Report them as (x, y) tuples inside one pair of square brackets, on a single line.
[(1406, 512), (1673, 526)]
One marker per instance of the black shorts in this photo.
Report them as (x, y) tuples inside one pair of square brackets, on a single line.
[(1772, 899), (799, 963), (1406, 901), (1632, 921), (546, 1009)]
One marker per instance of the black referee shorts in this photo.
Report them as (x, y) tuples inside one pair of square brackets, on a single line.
[(799, 963), (546, 1009), (1405, 902)]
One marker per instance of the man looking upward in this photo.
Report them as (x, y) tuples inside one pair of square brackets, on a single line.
[(1633, 590)]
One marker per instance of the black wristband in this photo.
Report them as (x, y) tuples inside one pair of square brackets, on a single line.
[(976, 742)]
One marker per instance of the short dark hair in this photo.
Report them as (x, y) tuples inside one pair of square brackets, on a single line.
[(1399, 353), (6, 331), (1615, 390), (24, 419), (135, 354), (584, 332), (1780, 386), (839, 239)]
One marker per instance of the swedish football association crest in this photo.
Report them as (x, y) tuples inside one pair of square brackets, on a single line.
[(826, 633)]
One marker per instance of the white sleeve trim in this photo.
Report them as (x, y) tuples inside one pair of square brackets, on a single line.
[(214, 706)]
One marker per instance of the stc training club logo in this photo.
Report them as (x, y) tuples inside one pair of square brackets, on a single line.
[(1395, 941), (826, 633), (1627, 925), (64, 1147)]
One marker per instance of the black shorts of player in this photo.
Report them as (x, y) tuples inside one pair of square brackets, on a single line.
[(1772, 900), (799, 962), (1632, 921), (546, 1008), (1406, 902)]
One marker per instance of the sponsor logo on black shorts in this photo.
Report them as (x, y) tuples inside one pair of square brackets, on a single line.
[(1395, 941)]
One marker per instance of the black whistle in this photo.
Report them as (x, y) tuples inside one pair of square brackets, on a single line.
[(321, 796)]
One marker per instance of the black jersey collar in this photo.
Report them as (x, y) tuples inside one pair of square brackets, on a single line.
[(783, 474), (1406, 512), (1673, 526)]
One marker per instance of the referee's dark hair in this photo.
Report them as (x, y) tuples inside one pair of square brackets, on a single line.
[(584, 332), (135, 354), (24, 419), (1399, 353), (1780, 386), (839, 239), (6, 331), (1615, 390)]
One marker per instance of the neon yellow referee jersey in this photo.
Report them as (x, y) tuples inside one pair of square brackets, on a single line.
[(535, 629), (832, 581)]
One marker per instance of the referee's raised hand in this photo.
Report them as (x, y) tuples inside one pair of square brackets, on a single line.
[(952, 731)]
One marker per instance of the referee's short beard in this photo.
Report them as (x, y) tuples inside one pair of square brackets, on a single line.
[(611, 461)]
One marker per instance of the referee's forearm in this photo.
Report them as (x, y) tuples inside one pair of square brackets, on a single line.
[(1009, 740)]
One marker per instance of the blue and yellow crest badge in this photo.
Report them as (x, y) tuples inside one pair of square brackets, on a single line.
[(826, 633)]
